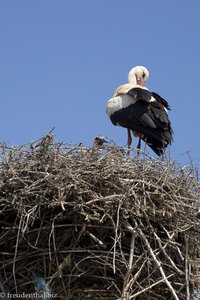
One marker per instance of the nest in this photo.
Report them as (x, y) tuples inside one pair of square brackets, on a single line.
[(97, 224)]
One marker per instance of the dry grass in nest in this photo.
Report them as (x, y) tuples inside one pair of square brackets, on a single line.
[(97, 224)]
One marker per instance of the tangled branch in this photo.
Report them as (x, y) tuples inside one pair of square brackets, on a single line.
[(97, 224)]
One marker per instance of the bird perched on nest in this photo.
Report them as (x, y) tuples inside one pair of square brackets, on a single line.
[(99, 141), (142, 112)]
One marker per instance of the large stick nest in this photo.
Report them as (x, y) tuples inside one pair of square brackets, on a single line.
[(97, 224)]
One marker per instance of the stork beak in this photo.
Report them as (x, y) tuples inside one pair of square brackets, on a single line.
[(140, 82)]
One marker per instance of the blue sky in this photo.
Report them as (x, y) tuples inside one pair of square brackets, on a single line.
[(61, 61)]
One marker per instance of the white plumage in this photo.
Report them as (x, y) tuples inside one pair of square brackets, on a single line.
[(143, 112)]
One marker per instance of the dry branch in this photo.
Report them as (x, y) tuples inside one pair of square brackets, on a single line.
[(97, 224)]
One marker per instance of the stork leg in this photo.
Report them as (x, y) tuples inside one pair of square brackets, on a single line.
[(129, 141), (139, 145)]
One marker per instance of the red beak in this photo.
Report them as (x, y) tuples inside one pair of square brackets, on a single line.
[(140, 82)]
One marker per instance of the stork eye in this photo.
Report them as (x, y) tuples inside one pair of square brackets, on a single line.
[(143, 75)]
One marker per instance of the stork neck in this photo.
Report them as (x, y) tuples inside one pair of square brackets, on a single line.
[(132, 79)]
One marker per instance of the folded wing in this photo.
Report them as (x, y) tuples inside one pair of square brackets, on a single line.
[(147, 115)]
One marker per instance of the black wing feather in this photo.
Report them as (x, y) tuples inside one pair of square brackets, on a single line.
[(140, 94), (161, 100), (149, 118)]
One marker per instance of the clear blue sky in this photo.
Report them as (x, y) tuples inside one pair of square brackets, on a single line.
[(61, 61)]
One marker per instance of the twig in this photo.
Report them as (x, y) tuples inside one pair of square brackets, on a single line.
[(132, 244), (116, 235), (15, 254), (157, 262), (186, 269), (96, 239), (150, 287), (165, 253), (133, 280), (130, 264)]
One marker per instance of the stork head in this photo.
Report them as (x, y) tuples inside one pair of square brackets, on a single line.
[(138, 75)]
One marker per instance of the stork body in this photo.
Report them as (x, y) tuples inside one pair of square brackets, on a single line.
[(142, 112)]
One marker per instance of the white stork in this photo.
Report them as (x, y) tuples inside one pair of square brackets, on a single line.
[(143, 112)]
